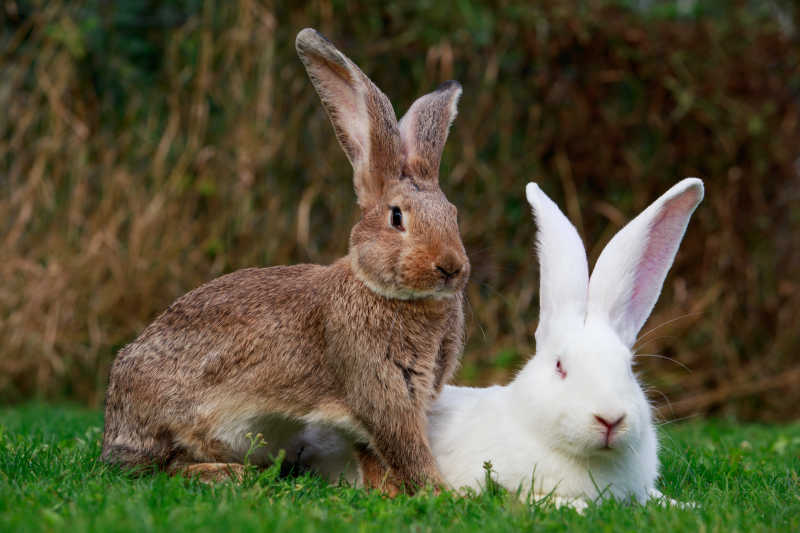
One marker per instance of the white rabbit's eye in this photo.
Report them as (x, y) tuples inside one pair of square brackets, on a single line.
[(396, 218), (560, 370)]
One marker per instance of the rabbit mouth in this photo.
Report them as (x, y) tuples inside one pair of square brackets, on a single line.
[(451, 285), (441, 287), (603, 452), (396, 292), (448, 286), (407, 293), (609, 445)]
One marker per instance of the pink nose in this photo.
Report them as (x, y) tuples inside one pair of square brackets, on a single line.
[(610, 426)]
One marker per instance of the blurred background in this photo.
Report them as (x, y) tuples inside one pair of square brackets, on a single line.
[(147, 147)]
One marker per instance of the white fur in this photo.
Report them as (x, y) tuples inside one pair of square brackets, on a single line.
[(630, 271), (564, 272), (539, 432)]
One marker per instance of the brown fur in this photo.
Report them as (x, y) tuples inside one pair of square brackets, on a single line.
[(364, 344), (374, 474), (211, 472)]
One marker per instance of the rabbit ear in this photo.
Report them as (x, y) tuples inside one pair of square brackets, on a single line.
[(630, 272), (563, 271), (424, 129), (361, 114)]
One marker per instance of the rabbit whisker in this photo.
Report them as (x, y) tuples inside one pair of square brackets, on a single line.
[(631, 449), (649, 331), (664, 396), (667, 422), (475, 317), (659, 356), (654, 339)]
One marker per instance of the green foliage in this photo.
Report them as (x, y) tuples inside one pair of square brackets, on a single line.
[(741, 477), (146, 147)]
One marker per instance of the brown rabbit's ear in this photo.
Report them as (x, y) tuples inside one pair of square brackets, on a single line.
[(361, 114), (424, 129)]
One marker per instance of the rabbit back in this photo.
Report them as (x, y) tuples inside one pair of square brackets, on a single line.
[(219, 342)]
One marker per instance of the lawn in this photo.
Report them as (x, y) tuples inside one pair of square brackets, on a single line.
[(743, 477)]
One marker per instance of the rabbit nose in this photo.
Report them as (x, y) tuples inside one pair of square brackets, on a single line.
[(447, 274), (449, 266), (609, 425)]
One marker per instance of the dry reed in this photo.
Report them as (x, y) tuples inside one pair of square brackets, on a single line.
[(141, 155)]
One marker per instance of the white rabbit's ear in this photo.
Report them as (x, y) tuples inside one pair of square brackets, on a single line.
[(361, 114), (629, 274), (424, 129), (563, 270)]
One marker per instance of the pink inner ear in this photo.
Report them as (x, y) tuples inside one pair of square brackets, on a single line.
[(663, 238)]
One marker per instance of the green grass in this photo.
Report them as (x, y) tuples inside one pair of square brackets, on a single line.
[(742, 477)]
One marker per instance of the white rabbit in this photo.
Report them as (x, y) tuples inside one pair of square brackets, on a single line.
[(574, 423)]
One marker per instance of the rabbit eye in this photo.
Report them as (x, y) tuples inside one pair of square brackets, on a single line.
[(397, 218), (560, 370)]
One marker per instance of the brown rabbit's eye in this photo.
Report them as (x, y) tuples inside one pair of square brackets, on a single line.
[(560, 370), (397, 218)]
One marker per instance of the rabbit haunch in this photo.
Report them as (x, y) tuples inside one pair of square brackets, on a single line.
[(574, 422), (363, 345)]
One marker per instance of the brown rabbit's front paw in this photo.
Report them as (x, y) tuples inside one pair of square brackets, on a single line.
[(212, 472), (376, 475)]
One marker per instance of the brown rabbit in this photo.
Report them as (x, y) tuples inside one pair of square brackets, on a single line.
[(364, 344)]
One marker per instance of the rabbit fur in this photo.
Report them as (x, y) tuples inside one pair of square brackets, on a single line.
[(574, 423), (363, 345)]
